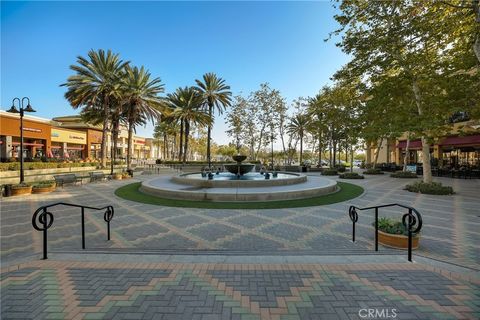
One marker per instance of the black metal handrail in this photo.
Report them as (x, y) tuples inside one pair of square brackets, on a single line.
[(412, 220), (45, 220)]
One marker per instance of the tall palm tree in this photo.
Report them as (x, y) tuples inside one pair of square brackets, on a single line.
[(187, 103), (216, 94), (96, 83), (140, 100), (298, 127)]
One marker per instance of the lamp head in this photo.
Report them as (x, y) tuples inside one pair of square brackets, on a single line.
[(13, 109), (29, 108)]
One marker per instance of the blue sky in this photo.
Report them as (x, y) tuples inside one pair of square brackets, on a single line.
[(246, 43)]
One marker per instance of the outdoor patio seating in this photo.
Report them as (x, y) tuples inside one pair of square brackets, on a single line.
[(61, 179)]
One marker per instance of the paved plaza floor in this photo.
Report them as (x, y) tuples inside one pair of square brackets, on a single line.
[(201, 289)]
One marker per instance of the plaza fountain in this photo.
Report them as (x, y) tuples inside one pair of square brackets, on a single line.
[(239, 182)]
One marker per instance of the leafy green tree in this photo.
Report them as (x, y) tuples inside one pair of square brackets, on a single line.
[(96, 83), (415, 43), (216, 95), (298, 127), (141, 101), (186, 103)]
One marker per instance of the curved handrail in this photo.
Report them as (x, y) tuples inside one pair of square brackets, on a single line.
[(412, 221), (45, 220)]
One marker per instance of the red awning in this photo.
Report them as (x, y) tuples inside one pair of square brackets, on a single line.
[(458, 141), (414, 144), (28, 144)]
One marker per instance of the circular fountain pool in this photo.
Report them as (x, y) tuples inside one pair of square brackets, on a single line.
[(286, 186)]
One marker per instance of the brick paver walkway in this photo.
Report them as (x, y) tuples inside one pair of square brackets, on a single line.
[(81, 290), (52, 289)]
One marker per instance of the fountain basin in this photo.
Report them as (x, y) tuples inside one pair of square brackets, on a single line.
[(173, 188), (239, 168), (248, 180)]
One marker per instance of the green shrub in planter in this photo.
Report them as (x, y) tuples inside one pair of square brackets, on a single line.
[(43, 184), (429, 188), (373, 171), (403, 174), (391, 226), (329, 172), (351, 175), (340, 168)]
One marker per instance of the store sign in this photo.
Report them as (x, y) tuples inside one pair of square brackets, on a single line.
[(32, 129), (59, 135)]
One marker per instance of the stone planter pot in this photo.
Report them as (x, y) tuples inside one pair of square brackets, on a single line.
[(18, 191), (397, 241), (45, 189)]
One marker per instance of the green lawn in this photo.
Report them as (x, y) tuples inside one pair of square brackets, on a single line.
[(347, 191)]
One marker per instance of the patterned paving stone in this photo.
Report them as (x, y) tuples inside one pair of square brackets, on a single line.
[(186, 221), (248, 242), (141, 231), (213, 232), (249, 221), (285, 231), (169, 241)]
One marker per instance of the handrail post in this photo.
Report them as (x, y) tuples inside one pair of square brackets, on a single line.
[(83, 228), (409, 226), (108, 230), (45, 227), (376, 229), (353, 231)]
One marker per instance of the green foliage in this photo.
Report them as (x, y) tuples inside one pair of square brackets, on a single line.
[(403, 174), (329, 172), (21, 185), (351, 175), (429, 188), (373, 171), (340, 168), (43, 184), (15, 166), (391, 226)]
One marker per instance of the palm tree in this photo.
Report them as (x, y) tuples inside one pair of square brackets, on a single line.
[(187, 104), (96, 83), (216, 94), (140, 100), (298, 127)]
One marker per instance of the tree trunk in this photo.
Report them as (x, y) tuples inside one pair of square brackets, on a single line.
[(130, 144), (180, 149), (320, 150), (407, 150), (476, 47), (209, 133), (427, 169), (103, 146), (334, 154), (301, 149), (378, 153), (187, 133), (115, 127), (351, 159), (165, 147)]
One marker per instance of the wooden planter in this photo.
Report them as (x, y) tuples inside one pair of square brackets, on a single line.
[(397, 241), (45, 189), (18, 191)]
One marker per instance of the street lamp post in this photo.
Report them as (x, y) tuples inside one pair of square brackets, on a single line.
[(21, 110)]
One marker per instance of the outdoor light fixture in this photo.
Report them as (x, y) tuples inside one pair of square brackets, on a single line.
[(21, 110)]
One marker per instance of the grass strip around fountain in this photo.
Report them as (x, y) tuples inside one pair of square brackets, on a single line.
[(347, 191)]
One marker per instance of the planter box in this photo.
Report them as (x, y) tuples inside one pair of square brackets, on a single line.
[(397, 241), (21, 191), (43, 189), (117, 177)]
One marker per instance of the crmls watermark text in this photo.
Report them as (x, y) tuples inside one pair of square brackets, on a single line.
[(376, 313)]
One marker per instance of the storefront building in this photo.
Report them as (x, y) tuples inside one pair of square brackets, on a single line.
[(461, 147), (36, 136), (66, 143)]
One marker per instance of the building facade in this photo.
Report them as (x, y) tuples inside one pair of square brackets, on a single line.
[(66, 137), (460, 147)]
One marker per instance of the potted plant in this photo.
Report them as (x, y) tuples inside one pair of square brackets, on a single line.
[(125, 175), (393, 234), (21, 188), (43, 187), (117, 176)]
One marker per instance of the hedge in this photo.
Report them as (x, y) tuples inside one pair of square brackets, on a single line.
[(429, 188), (403, 174), (15, 166), (351, 175), (373, 171), (329, 172)]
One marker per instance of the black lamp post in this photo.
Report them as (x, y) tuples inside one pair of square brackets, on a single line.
[(21, 110)]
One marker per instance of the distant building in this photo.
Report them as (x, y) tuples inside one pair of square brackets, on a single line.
[(62, 137)]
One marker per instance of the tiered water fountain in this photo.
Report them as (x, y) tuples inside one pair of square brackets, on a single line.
[(239, 183)]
